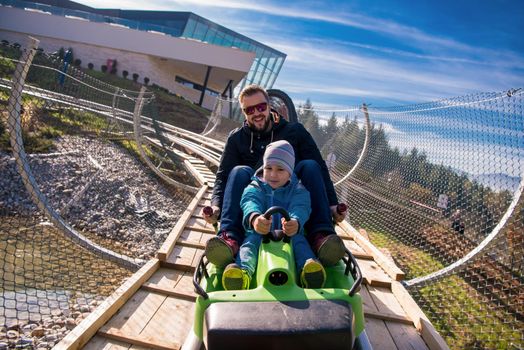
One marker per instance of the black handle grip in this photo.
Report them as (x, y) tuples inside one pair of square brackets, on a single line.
[(274, 210), (276, 236)]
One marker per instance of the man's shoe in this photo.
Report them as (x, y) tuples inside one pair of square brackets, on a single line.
[(329, 248), (313, 274), (221, 250), (234, 278)]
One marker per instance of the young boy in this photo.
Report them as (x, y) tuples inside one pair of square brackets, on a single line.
[(279, 186)]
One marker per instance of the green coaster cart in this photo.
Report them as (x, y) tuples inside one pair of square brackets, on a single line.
[(276, 312)]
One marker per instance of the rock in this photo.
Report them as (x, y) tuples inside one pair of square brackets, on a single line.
[(25, 342), (84, 308), (51, 337), (12, 334), (57, 312), (38, 332), (70, 323), (14, 327)]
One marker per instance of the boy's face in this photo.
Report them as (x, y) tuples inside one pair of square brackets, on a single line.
[(275, 175)]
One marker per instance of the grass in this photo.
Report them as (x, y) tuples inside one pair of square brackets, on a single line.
[(464, 317)]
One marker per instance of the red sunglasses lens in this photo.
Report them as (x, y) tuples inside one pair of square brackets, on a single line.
[(261, 107)]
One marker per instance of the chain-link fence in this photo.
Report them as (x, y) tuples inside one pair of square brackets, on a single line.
[(438, 188), (92, 181), (88, 192)]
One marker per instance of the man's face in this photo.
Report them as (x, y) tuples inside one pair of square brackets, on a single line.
[(256, 110)]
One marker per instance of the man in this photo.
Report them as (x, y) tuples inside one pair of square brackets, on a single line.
[(243, 154)]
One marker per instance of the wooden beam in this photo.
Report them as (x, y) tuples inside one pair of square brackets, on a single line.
[(168, 291), (170, 242), (363, 256), (145, 341), (178, 266), (430, 335), (389, 267), (81, 334), (195, 173), (191, 244), (388, 317)]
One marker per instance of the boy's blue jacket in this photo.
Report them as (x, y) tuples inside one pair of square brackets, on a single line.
[(258, 196)]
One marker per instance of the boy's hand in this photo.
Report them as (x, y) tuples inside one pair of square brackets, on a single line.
[(290, 227), (262, 225), (211, 214)]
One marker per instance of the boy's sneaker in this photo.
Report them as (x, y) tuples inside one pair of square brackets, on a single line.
[(234, 278), (221, 250), (329, 248), (313, 274)]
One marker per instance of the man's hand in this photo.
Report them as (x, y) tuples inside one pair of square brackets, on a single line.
[(338, 215), (290, 227), (262, 225), (211, 214)]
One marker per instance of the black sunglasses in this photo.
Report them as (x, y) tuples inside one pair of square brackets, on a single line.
[(261, 107)]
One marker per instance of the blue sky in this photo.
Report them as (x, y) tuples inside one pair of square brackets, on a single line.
[(343, 53)]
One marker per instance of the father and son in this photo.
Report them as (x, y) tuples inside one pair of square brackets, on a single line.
[(270, 162)]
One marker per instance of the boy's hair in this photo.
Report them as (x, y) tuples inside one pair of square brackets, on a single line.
[(280, 153), (250, 90)]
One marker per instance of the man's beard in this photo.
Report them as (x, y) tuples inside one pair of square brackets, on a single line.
[(264, 127)]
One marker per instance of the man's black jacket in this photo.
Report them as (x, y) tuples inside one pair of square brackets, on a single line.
[(245, 147)]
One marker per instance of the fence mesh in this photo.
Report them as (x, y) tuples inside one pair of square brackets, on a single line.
[(80, 207), (437, 187)]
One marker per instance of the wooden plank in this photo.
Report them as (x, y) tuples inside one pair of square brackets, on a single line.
[(135, 314), (152, 342), (367, 300), (184, 256), (166, 278), (168, 245), (406, 336), (185, 284), (388, 265), (199, 225), (379, 335), (190, 235), (195, 173), (373, 274), (172, 322), (169, 292), (432, 338), (371, 309), (81, 334), (389, 317), (386, 301), (359, 255), (191, 244), (353, 246), (178, 266), (102, 343)]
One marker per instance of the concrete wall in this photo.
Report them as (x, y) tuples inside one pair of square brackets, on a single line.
[(159, 57)]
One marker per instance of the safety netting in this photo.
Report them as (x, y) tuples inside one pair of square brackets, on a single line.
[(88, 193), (437, 187)]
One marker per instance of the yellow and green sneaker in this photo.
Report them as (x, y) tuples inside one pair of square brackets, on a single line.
[(313, 274), (234, 278)]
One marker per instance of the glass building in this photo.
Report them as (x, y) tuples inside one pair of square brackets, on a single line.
[(265, 68)]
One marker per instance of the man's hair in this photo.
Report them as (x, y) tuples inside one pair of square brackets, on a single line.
[(250, 90)]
